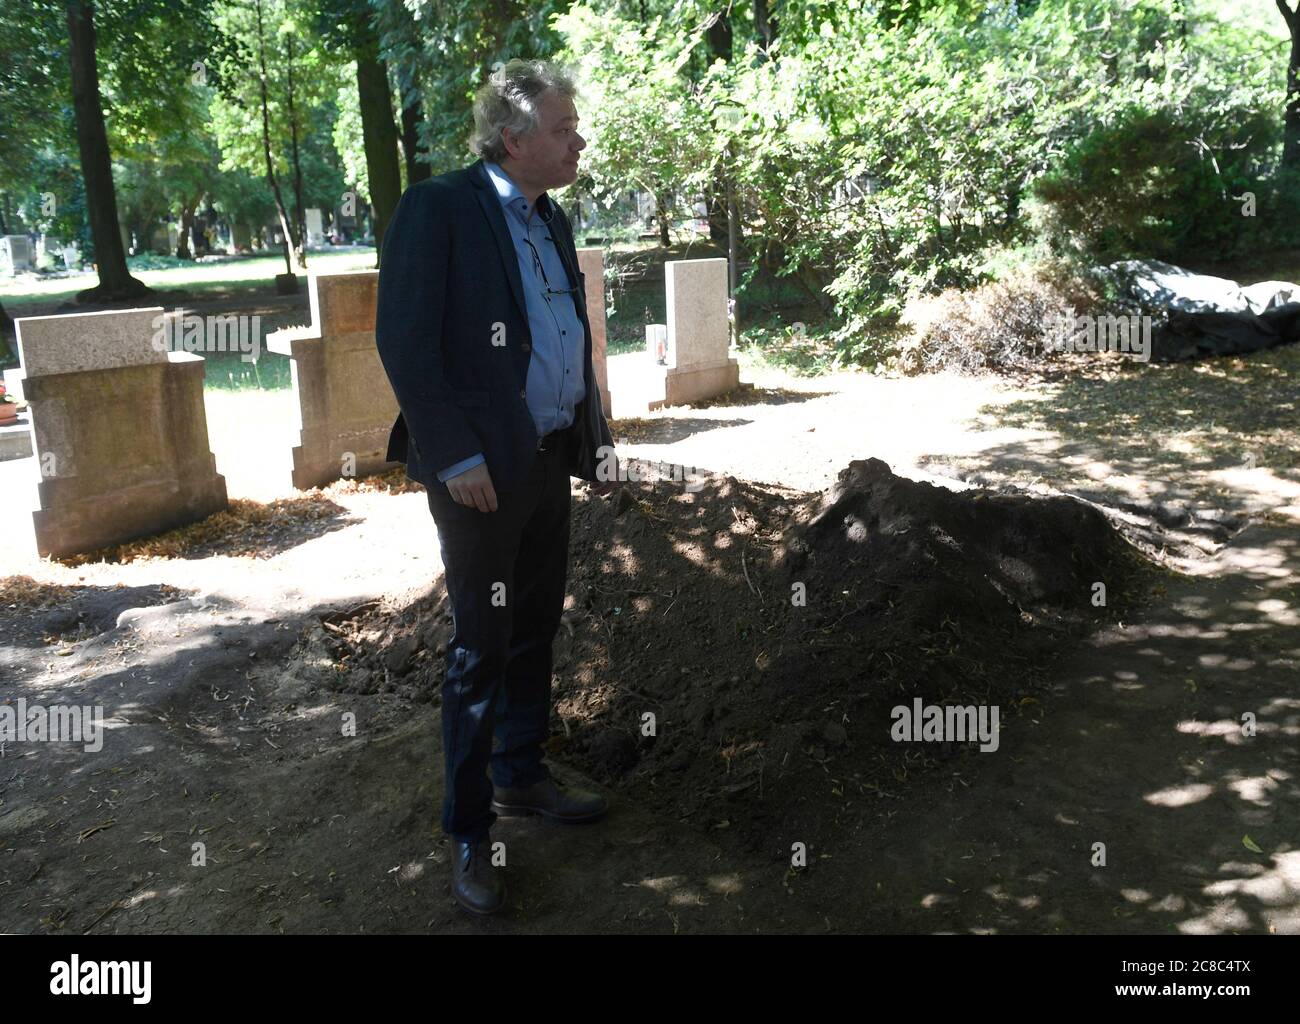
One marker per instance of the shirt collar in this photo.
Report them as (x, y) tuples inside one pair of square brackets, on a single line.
[(508, 192)]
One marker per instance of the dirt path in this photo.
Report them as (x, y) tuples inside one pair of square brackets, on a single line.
[(217, 736)]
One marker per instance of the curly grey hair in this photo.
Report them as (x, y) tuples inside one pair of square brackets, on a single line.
[(510, 100)]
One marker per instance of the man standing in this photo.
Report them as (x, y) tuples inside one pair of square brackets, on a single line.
[(482, 328)]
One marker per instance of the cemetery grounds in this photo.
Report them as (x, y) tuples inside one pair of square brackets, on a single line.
[(227, 798)]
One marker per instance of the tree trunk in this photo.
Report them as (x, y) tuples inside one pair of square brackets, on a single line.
[(715, 198), (266, 144), (661, 214), (1291, 120), (183, 238), (416, 169), (412, 115), (733, 241), (764, 23), (1012, 207), (379, 134), (299, 216), (115, 280)]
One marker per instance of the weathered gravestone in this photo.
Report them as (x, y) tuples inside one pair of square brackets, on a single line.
[(699, 333), (688, 359), (315, 228), (591, 264), (346, 406), (121, 437), (15, 254)]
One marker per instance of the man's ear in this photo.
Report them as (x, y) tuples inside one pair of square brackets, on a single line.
[(511, 141)]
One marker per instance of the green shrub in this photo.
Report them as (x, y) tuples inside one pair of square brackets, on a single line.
[(1158, 185)]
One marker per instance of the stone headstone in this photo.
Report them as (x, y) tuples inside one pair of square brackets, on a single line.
[(699, 332), (15, 254), (591, 264), (90, 341), (346, 406), (315, 227), (119, 428)]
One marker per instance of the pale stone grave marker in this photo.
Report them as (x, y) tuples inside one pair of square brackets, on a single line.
[(119, 428), (346, 405)]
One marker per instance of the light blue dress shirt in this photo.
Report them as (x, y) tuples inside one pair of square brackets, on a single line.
[(555, 380)]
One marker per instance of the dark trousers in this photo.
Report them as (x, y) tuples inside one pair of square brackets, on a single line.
[(505, 574)]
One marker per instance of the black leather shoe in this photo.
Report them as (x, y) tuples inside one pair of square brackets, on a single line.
[(477, 885), (550, 799)]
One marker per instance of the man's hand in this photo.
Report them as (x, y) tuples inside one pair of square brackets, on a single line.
[(474, 488)]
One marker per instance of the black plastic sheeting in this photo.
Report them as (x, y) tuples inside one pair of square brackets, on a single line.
[(1198, 335)]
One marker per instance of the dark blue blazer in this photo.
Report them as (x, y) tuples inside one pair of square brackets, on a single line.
[(452, 332)]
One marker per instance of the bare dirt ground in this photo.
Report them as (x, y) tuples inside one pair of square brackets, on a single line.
[(228, 662)]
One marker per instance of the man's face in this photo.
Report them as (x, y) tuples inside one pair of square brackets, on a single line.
[(549, 157)]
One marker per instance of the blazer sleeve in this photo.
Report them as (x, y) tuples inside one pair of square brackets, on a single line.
[(408, 328)]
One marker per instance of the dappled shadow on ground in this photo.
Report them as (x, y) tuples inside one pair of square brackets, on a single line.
[(674, 426), (1160, 790), (38, 614), (1142, 754), (748, 394), (1221, 434), (667, 429), (1137, 745)]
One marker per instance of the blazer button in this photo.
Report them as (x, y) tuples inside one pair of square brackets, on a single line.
[(526, 347), (523, 393)]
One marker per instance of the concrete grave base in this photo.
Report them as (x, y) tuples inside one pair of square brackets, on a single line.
[(16, 439), (691, 384)]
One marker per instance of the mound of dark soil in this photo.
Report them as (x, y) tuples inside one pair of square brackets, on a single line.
[(731, 656)]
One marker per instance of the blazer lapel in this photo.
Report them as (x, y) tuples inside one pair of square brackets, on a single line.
[(491, 205)]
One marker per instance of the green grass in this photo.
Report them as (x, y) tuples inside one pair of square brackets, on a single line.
[(236, 273), (802, 349), (226, 371), (240, 277)]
